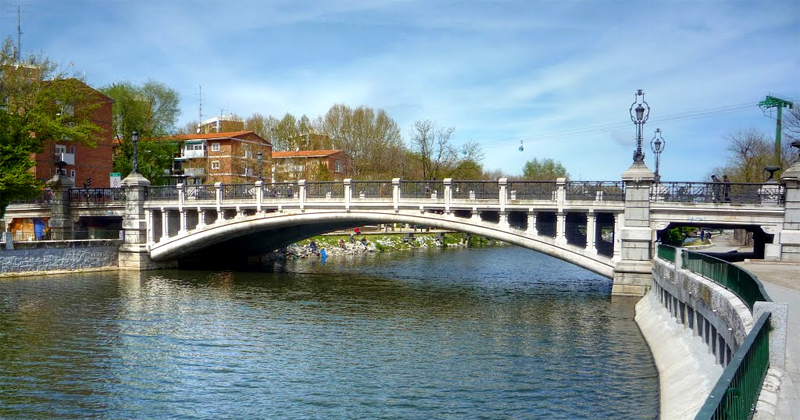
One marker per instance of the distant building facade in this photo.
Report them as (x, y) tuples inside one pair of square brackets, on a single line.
[(311, 165), (227, 157)]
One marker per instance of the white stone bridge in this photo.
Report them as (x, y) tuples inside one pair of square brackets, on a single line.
[(607, 227)]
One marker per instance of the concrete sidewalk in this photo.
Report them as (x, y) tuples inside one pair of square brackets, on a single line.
[(782, 281)]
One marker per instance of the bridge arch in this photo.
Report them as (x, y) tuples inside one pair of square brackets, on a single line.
[(291, 227)]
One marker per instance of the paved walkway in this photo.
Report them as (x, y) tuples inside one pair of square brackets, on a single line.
[(782, 281)]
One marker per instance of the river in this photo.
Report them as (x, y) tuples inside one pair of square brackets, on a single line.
[(490, 333)]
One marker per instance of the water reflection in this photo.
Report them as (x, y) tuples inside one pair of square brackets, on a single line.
[(463, 334)]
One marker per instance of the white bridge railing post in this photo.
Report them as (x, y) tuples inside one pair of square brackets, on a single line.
[(396, 194), (302, 193), (259, 196), (448, 194), (348, 193)]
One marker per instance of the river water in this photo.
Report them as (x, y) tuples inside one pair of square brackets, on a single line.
[(457, 334)]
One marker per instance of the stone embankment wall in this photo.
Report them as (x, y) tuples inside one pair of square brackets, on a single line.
[(56, 256), (693, 327)]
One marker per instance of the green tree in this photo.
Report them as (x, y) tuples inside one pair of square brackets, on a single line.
[(151, 109), (370, 138), (40, 103), (545, 170)]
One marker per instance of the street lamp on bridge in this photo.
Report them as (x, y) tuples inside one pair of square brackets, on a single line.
[(135, 160), (639, 116), (657, 145), (260, 157)]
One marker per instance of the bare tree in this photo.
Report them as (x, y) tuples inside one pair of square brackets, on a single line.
[(432, 144)]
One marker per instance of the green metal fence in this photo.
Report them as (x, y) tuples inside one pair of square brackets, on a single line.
[(738, 280), (736, 393), (666, 253)]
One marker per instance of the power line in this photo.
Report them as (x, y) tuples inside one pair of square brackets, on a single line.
[(686, 115)]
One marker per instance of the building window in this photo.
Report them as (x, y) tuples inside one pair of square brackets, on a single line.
[(215, 147), (337, 165), (215, 164), (72, 174), (61, 149), (72, 149)]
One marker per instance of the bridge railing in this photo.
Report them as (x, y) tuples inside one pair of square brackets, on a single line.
[(162, 193), (421, 189), (280, 190), (475, 190), (46, 197), (371, 189), (595, 190), (739, 281), (736, 393), (95, 196), (718, 192), (533, 190), (238, 192), (325, 189), (201, 192)]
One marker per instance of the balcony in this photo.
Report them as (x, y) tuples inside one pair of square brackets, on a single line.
[(194, 172), (67, 158), (193, 153)]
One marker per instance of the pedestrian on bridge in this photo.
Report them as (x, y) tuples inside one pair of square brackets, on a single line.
[(715, 188)]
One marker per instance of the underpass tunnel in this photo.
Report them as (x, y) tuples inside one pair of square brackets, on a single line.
[(744, 234)]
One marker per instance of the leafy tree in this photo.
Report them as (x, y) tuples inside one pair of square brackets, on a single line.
[(791, 124), (370, 138), (545, 170), (151, 109), (40, 103), (432, 145)]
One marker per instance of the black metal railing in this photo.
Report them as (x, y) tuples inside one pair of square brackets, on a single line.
[(421, 189), (532, 190), (736, 393), (475, 190), (325, 189), (371, 189), (50, 235), (96, 195), (595, 190), (239, 192), (46, 197), (718, 192), (162, 193), (201, 192), (280, 190)]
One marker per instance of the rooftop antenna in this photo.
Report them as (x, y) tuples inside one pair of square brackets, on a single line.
[(773, 102), (19, 33)]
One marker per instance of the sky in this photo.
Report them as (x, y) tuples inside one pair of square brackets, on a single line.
[(555, 77)]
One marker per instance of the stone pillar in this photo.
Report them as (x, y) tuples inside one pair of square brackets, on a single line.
[(164, 224), (789, 240), (201, 218), (448, 194), (348, 193), (396, 194), (133, 254), (151, 233), (633, 273), (259, 196), (618, 220), (561, 227), (302, 193), (60, 222), (181, 210), (218, 195), (532, 222), (591, 232)]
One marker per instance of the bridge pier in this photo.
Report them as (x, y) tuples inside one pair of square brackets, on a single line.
[(789, 240), (133, 254), (60, 222), (633, 272)]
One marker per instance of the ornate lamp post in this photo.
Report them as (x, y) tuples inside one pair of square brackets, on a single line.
[(657, 145), (639, 116), (260, 157), (135, 160)]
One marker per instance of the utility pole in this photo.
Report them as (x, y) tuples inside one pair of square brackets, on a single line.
[(19, 34), (773, 102)]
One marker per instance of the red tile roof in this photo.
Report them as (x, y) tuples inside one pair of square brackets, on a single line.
[(304, 153)]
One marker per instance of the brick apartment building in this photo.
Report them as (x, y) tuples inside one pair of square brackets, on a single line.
[(311, 165), (227, 157), (82, 162)]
